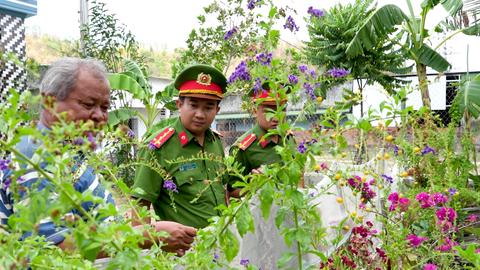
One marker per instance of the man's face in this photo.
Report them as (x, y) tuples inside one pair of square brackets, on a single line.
[(88, 100), (266, 123), (197, 114)]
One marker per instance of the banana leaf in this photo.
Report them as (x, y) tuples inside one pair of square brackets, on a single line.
[(379, 25), (431, 58), (117, 116), (468, 96), (124, 82)]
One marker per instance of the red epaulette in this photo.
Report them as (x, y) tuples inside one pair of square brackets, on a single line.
[(247, 141), (162, 137)]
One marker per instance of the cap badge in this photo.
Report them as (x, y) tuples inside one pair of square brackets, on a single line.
[(204, 79)]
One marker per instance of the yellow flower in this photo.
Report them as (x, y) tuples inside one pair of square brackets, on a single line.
[(416, 150), (346, 228), (386, 156), (368, 209), (389, 138), (357, 146), (404, 174), (317, 167), (339, 200), (379, 157), (319, 99), (344, 155), (353, 213), (363, 178), (337, 176)]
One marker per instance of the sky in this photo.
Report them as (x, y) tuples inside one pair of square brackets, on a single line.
[(160, 24)]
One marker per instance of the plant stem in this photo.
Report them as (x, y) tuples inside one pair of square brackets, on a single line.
[(299, 248)]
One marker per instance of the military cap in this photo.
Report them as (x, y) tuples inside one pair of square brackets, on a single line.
[(202, 81), (264, 96)]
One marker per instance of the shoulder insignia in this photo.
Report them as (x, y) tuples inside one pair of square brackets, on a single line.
[(183, 138), (217, 132), (247, 141), (161, 138)]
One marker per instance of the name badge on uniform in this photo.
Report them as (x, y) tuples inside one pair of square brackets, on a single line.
[(188, 167)]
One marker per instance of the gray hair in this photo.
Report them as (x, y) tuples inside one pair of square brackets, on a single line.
[(61, 76)]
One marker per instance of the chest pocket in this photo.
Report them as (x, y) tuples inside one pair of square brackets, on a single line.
[(188, 173)]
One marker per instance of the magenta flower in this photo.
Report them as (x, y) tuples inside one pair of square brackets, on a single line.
[(404, 203), (415, 240), (429, 266), (324, 166), (425, 200), (393, 198), (447, 245), (446, 212), (439, 198), (472, 218)]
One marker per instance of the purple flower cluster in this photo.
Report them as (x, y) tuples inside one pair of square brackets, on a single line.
[(244, 262), (415, 240), (4, 164), (315, 12), (241, 73), (131, 134), (264, 58), (395, 150), (302, 148), (292, 79), (452, 191), (252, 3), (309, 90), (357, 184), (387, 178), (303, 68), (427, 150), (338, 72), (7, 183), (170, 185), (290, 24), (230, 33), (257, 86), (78, 141)]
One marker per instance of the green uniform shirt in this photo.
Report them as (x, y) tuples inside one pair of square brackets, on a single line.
[(194, 170), (258, 153)]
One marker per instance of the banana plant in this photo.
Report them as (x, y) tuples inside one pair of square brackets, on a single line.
[(467, 102), (134, 81), (409, 33)]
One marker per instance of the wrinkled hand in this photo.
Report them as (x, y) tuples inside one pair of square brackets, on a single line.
[(180, 239)]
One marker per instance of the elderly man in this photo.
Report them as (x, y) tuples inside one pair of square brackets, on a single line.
[(76, 90)]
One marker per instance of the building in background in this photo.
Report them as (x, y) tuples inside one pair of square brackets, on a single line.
[(13, 75)]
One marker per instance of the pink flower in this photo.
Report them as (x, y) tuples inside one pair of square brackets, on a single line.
[(447, 245), (415, 240), (404, 203), (441, 213), (425, 200), (393, 198), (477, 251), (472, 218), (324, 166), (439, 198), (429, 266)]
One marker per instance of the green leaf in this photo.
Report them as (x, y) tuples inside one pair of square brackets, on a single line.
[(229, 244), (468, 96), (452, 6), (365, 125), (286, 257), (117, 116), (124, 82), (273, 12), (473, 30), (266, 199), (431, 58), (379, 25), (244, 220)]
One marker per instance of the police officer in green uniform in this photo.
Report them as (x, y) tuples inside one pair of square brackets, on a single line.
[(253, 149), (186, 186)]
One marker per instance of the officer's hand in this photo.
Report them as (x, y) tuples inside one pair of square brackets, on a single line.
[(180, 239), (257, 170)]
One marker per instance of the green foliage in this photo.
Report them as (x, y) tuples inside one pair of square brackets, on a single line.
[(468, 96), (331, 37), (105, 38)]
